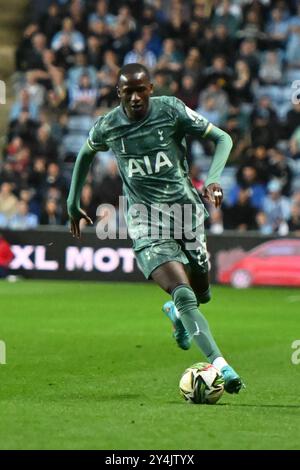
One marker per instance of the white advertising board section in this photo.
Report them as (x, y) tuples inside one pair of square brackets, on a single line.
[(56, 255)]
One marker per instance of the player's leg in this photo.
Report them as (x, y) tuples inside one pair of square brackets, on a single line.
[(200, 284), (166, 278), (172, 278), (197, 268), (164, 262), (149, 258), (199, 279)]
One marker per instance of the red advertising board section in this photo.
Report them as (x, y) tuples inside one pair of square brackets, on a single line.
[(241, 260)]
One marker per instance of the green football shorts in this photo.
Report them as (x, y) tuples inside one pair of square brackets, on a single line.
[(159, 252)]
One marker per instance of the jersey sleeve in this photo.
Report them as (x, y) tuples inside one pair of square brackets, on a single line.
[(96, 140), (189, 121)]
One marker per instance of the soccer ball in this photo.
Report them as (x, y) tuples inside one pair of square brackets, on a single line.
[(202, 383)]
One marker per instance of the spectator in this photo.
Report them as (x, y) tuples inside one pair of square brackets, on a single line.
[(24, 103), (51, 215), (265, 130), (177, 26), (220, 97), (141, 55), (270, 71), (209, 110), (107, 75), (8, 201), (54, 179), (248, 180), (23, 127), (65, 55), (242, 214), (102, 15), (192, 65), (23, 219), (163, 84), (88, 203), (294, 221), (258, 158), (242, 82), (35, 90), (280, 170), (94, 51), (277, 28), (225, 17), (37, 177), (81, 67), (219, 72), (252, 26), (121, 41), (28, 195), (78, 16), (45, 145), (125, 18), (170, 59), (277, 208), (193, 36), (248, 53), (292, 54), (223, 44), (25, 46), (83, 97), (34, 54), (68, 35), (152, 40), (50, 21), (188, 91), (262, 224)]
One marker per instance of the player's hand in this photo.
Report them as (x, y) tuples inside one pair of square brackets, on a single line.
[(213, 193), (75, 222)]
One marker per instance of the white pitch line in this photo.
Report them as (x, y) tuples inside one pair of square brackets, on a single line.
[(293, 298)]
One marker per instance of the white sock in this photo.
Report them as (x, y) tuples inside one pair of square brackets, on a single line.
[(219, 363)]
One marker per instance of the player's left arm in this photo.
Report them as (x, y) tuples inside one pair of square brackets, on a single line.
[(212, 190), (191, 122)]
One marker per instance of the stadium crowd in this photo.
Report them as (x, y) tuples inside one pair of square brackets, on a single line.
[(236, 63)]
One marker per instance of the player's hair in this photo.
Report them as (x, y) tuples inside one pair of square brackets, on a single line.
[(131, 69)]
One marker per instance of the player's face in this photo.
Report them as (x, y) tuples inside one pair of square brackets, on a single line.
[(134, 91)]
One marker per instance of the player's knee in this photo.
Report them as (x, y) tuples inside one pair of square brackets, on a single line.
[(172, 286), (204, 297), (184, 298)]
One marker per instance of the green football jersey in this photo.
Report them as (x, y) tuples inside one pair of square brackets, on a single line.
[(151, 154)]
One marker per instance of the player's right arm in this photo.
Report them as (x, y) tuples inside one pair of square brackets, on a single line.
[(94, 143), (81, 168)]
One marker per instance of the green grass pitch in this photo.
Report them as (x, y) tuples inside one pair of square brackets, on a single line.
[(93, 366)]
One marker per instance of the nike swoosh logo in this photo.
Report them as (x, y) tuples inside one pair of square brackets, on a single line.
[(197, 332)]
